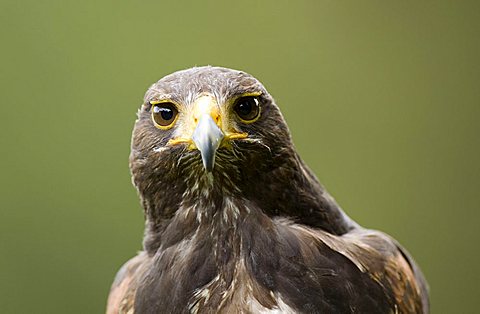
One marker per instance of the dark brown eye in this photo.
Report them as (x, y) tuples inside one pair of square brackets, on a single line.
[(247, 108), (164, 114)]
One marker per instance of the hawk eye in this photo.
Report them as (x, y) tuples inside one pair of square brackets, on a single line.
[(164, 115), (247, 108)]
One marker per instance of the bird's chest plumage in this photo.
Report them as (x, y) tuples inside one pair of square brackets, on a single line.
[(212, 269), (239, 260)]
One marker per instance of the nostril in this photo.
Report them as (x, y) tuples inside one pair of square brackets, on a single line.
[(195, 119)]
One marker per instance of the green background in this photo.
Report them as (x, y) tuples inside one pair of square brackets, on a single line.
[(382, 98)]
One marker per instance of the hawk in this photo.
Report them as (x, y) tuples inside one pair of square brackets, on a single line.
[(235, 220)]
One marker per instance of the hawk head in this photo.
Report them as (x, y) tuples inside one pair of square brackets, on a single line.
[(207, 123)]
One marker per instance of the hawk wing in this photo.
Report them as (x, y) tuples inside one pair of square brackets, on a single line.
[(122, 293), (383, 260)]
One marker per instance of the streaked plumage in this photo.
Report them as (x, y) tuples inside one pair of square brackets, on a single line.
[(243, 226)]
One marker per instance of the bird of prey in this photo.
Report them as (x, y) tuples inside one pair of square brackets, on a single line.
[(235, 220)]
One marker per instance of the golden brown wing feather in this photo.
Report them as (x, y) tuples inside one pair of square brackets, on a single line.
[(385, 261), (410, 288), (122, 293)]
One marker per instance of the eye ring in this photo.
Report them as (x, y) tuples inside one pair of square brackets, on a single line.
[(164, 115), (247, 109)]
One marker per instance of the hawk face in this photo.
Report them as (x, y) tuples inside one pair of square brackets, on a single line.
[(206, 127)]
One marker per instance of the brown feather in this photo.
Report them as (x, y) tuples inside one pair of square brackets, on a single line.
[(378, 255), (122, 293)]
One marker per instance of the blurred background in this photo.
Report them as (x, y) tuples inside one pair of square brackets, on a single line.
[(382, 98)]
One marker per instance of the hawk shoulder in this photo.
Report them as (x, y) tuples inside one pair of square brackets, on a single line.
[(122, 293), (385, 261)]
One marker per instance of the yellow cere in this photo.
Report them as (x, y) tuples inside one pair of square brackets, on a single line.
[(207, 104)]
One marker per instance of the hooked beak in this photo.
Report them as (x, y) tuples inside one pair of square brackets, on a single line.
[(207, 137), (205, 130)]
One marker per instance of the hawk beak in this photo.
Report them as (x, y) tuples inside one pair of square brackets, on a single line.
[(205, 130), (207, 137)]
